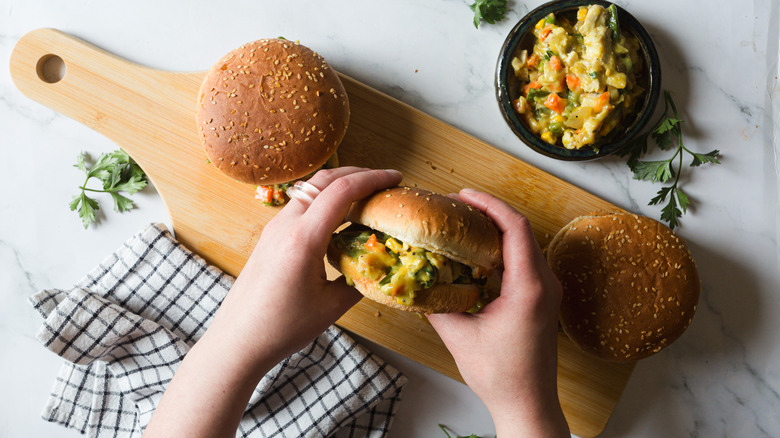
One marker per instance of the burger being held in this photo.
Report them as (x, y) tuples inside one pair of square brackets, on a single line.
[(415, 250), (272, 112)]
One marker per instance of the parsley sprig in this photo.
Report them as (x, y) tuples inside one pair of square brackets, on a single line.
[(488, 10), (118, 173), (667, 134)]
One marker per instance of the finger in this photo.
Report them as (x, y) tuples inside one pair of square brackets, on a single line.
[(318, 181), (521, 250), (327, 212), (344, 296)]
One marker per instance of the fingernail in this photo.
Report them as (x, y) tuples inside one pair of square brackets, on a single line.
[(468, 191), (393, 172)]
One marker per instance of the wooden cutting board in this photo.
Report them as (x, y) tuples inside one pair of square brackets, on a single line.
[(150, 114)]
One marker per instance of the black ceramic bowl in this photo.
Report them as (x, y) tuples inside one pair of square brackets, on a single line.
[(507, 90)]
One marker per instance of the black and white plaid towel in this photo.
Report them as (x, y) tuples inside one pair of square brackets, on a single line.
[(124, 329)]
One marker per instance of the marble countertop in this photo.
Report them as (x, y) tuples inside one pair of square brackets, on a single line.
[(722, 378)]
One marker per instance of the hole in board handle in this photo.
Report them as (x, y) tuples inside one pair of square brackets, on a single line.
[(51, 68)]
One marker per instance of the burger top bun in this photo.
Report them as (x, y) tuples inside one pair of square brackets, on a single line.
[(630, 286), (434, 222), (271, 111)]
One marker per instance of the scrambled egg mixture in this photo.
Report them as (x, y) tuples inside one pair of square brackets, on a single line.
[(399, 268), (579, 81)]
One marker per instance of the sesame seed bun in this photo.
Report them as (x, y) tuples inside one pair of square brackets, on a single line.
[(271, 111), (438, 224), (434, 222), (630, 284)]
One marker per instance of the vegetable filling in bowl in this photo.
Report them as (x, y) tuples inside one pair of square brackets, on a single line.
[(579, 81)]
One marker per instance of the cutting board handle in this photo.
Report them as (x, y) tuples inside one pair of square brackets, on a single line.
[(108, 89)]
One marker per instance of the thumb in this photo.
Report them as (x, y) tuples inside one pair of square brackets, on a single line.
[(449, 326), (341, 296)]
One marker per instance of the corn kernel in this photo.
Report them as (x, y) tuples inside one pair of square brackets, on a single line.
[(548, 137), (581, 13), (539, 24), (558, 118)]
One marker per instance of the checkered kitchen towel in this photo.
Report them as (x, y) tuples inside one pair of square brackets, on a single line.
[(124, 329)]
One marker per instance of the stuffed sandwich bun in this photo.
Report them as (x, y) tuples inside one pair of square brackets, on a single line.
[(419, 251)]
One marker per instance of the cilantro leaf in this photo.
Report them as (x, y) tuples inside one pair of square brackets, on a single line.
[(81, 163), (488, 10), (661, 196), (683, 198), (118, 173), (86, 207), (670, 212), (664, 140), (653, 170), (709, 157), (121, 203), (667, 125)]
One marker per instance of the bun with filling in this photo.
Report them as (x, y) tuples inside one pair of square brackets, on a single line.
[(271, 112), (415, 250)]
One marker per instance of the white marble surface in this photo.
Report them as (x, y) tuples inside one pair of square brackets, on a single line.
[(721, 379)]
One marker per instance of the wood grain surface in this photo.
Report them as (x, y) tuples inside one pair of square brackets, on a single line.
[(151, 114)]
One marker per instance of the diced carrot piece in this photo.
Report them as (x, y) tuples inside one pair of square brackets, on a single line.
[(528, 86), (601, 101), (545, 33), (373, 244), (573, 82), (556, 63), (555, 103), (265, 194), (532, 61)]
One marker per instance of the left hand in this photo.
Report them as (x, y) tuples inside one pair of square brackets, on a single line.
[(283, 290), (281, 301)]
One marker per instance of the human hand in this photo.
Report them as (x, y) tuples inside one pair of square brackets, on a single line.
[(285, 296), (507, 353), (281, 301)]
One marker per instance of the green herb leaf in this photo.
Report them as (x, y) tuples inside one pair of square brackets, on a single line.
[(709, 157), (667, 134), (653, 170), (684, 201), (488, 10), (664, 140), (118, 173), (86, 207), (121, 203), (661, 196), (670, 213), (667, 125), (81, 163)]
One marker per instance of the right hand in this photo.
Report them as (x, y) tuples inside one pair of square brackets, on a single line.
[(507, 353)]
